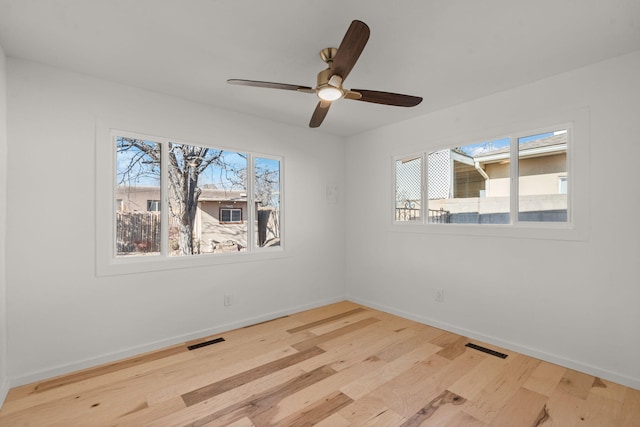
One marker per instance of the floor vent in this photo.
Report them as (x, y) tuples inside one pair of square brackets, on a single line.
[(487, 350), (205, 343)]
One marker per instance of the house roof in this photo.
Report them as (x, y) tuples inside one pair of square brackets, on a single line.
[(553, 140), (208, 194), (219, 195), (552, 144)]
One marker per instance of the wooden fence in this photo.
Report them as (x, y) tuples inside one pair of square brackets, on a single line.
[(137, 232)]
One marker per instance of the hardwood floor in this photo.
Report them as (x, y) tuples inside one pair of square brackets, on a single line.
[(339, 365)]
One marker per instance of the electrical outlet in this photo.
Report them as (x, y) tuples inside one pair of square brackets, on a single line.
[(439, 295), (228, 300)]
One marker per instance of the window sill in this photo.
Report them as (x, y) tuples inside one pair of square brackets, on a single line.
[(144, 264), (544, 231)]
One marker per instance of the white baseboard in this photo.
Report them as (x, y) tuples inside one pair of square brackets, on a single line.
[(547, 357), (137, 350), (4, 390)]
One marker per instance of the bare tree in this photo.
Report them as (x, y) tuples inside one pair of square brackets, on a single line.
[(185, 164)]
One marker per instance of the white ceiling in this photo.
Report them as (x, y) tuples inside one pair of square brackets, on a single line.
[(447, 51)]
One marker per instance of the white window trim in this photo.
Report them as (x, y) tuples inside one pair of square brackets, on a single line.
[(578, 161), (106, 261)]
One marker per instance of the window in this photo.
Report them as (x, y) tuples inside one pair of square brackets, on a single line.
[(408, 189), (267, 196), (562, 185), (474, 183), (178, 200), (542, 160), (153, 205), (229, 215)]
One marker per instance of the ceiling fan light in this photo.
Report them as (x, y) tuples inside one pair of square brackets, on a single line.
[(330, 93)]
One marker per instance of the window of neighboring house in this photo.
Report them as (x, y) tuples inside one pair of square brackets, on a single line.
[(153, 205), (473, 184), (193, 180), (119, 204), (562, 185), (230, 215)]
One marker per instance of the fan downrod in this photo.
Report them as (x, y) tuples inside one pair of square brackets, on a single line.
[(327, 54)]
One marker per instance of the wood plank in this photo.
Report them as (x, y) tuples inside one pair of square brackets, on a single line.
[(326, 320), (609, 390), (200, 373), (545, 378), (576, 383), (370, 411), (566, 410), (424, 414), (630, 411), (316, 412), (323, 312), (316, 341), (490, 401), (263, 404), (226, 384), (374, 379), (411, 390), (334, 420), (85, 374), (150, 414), (479, 377), (416, 339), (526, 406), (464, 419), (601, 410), (299, 400), (454, 348)]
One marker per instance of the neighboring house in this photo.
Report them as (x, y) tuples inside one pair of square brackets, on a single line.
[(221, 217), (221, 220), (476, 188), (542, 170), (137, 199)]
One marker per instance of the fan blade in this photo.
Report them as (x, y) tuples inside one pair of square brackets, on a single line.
[(387, 98), (319, 113), (270, 85), (350, 48)]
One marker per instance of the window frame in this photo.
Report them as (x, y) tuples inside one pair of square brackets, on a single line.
[(154, 205), (107, 263), (575, 228), (231, 221)]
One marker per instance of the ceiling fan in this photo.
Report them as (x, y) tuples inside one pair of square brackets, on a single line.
[(329, 87)]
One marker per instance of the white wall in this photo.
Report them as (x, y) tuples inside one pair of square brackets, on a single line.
[(60, 315), (4, 382), (574, 302)]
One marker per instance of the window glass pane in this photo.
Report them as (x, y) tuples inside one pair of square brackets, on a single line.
[(230, 215), (408, 189), (202, 181), (267, 199), (153, 205), (137, 181), (470, 184), (542, 180)]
